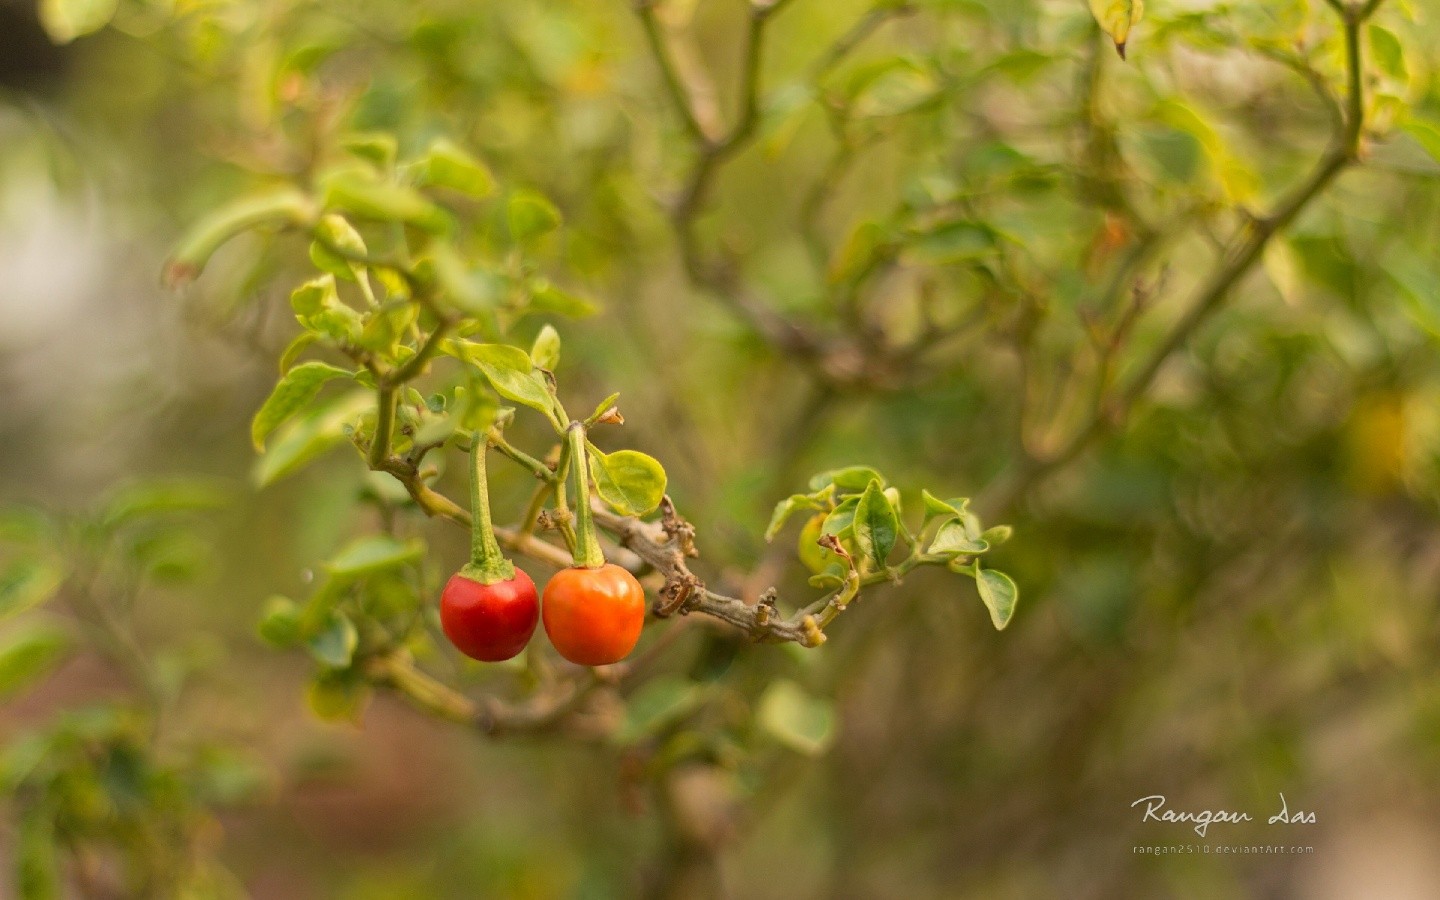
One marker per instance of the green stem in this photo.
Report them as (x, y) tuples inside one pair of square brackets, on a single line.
[(384, 423), (487, 564), (588, 554)]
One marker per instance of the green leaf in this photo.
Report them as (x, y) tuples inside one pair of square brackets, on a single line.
[(372, 554), (547, 298), (1426, 134), (935, 508), (335, 231), (658, 704), (850, 478), (294, 392), (877, 527), (997, 535), (280, 622), (292, 351), (530, 216), (66, 20), (26, 583), (955, 537), (998, 592), (603, 407), (377, 147), (786, 508), (841, 520), (469, 291), (1116, 18), (545, 352), (30, 654), (630, 482), (334, 645), (447, 164), (1388, 52), (891, 88), (163, 497), (284, 206), (307, 437), (804, 723), (510, 372), (369, 198)]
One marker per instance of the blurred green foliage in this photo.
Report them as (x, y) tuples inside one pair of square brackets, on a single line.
[(1173, 317)]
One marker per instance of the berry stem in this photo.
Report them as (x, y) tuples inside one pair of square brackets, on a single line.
[(487, 564), (588, 554)]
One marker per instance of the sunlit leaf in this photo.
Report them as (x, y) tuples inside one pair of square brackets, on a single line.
[(296, 389), (630, 482), (999, 594), (876, 525), (1116, 18)]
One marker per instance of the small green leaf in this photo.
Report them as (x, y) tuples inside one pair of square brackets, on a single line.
[(284, 206), (307, 437), (602, 407), (1388, 52), (447, 164), (876, 525), (368, 198), (996, 535), (547, 298), (545, 352), (630, 482), (841, 520), (892, 87), (334, 645), (530, 216), (1427, 135), (372, 554), (66, 20), (786, 508), (658, 704), (804, 723), (294, 392), (30, 654), (333, 231), (162, 497), (280, 622), (850, 478), (510, 372), (470, 291), (292, 351), (26, 583), (1116, 18), (998, 592), (954, 537), (376, 147), (935, 508)]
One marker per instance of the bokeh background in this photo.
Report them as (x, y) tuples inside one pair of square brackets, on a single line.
[(1230, 596)]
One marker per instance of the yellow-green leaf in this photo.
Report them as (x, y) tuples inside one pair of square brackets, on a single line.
[(292, 394), (630, 482), (1116, 18)]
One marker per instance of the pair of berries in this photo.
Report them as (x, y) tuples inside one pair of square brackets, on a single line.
[(593, 611), (593, 617)]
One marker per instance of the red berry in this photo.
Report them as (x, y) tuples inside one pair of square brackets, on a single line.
[(489, 622), (594, 616)]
